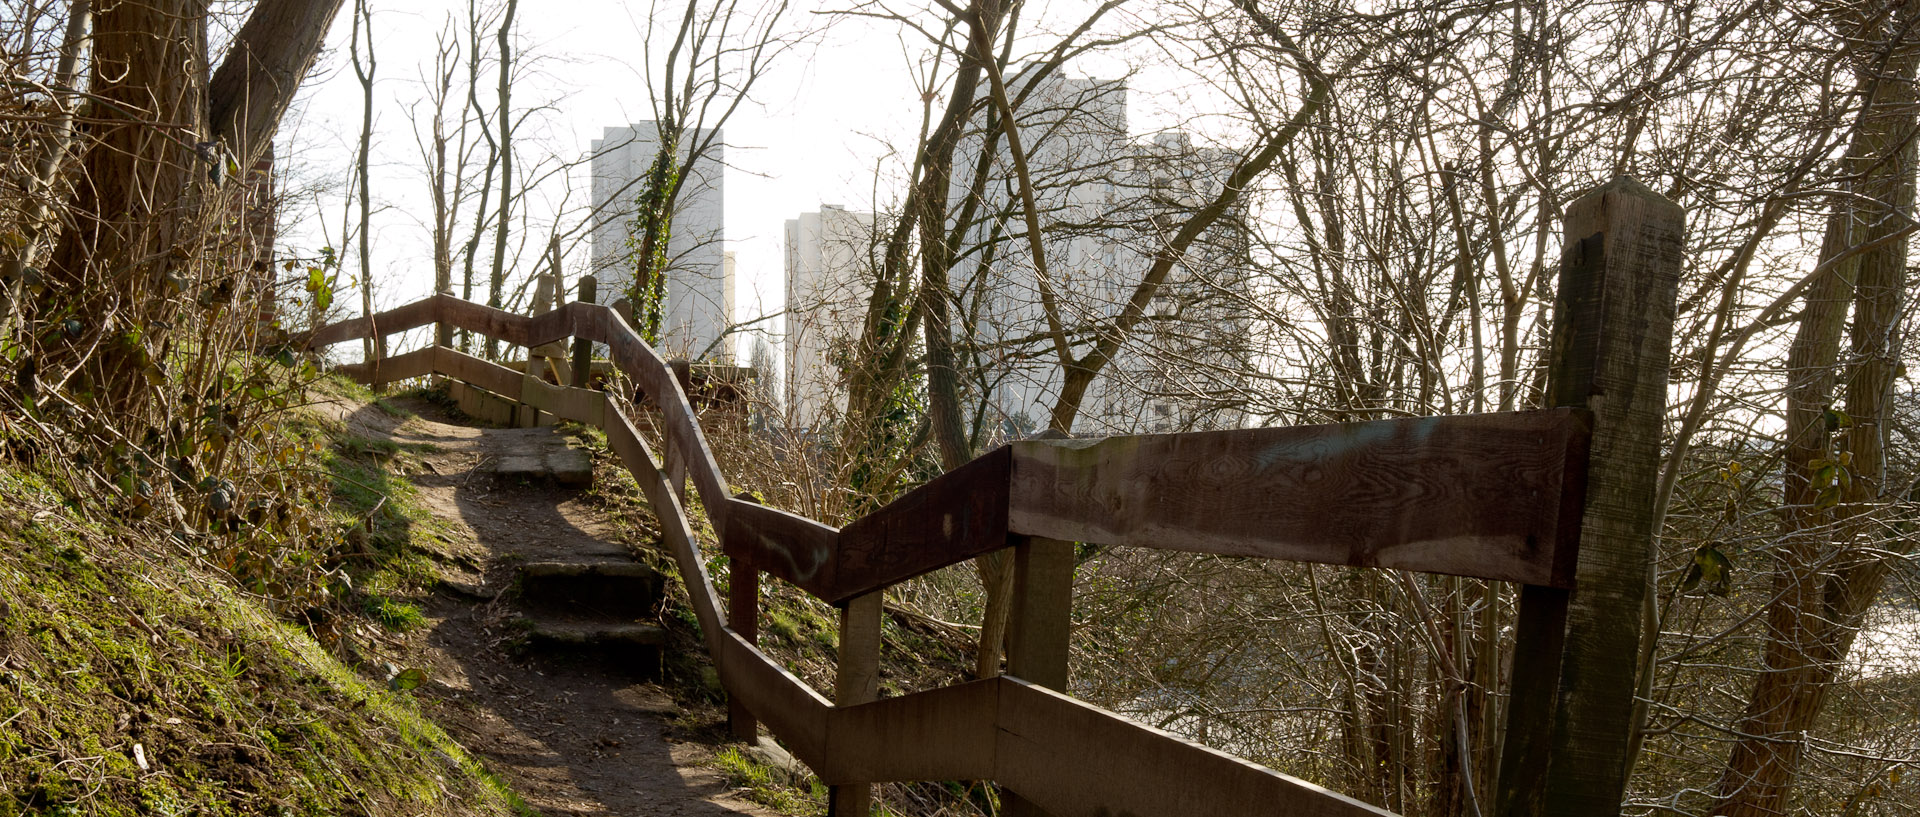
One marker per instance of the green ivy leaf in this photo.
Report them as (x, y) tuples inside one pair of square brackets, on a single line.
[(1710, 567), (410, 678), (1825, 475)]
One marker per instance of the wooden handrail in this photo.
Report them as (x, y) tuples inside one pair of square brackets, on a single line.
[(1499, 496), (1493, 496), (985, 729)]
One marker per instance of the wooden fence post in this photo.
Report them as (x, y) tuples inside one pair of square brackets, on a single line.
[(442, 332), (1570, 715), (857, 681), (583, 348), (1041, 622), (1039, 628), (544, 285), (743, 617)]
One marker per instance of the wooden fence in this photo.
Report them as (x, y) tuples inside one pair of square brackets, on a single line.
[(1558, 500)]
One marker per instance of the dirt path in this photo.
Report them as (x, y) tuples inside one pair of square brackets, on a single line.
[(571, 738)]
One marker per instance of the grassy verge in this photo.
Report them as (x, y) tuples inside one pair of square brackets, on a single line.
[(136, 679)]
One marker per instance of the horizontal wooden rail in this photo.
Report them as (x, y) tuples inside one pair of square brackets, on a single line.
[(1491, 496), (1494, 496), (631, 355)]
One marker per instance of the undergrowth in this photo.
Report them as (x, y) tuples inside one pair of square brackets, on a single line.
[(770, 786), (137, 679)]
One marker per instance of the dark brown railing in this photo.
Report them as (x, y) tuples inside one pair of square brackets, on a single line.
[(1496, 496)]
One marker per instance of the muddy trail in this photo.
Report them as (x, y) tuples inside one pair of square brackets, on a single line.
[(541, 645)]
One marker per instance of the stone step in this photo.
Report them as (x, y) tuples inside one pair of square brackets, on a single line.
[(562, 459), (615, 591), (632, 646)]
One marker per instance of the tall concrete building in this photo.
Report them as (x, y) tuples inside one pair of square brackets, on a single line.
[(1107, 206), (829, 279), (700, 281)]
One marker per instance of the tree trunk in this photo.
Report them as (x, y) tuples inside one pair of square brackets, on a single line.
[(1827, 579), (376, 345), (118, 266), (498, 281), (263, 69), (52, 154)]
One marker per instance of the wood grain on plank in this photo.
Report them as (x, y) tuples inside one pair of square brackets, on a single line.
[(954, 517), (483, 373), (1570, 716), (1478, 495), (417, 363), (568, 403), (638, 360), (399, 319), (494, 323), (1074, 759), (743, 617), (1040, 627), (783, 702), (940, 734), (634, 453), (793, 548), (856, 681)]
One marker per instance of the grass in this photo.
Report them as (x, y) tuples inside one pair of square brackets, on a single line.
[(149, 671), (137, 682), (770, 786), (398, 616), (396, 534)]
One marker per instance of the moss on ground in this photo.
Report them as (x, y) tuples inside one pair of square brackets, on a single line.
[(770, 786), (135, 678)]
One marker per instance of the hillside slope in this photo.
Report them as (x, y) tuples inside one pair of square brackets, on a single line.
[(134, 680)]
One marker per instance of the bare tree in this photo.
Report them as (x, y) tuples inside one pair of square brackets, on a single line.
[(375, 348), (447, 152)]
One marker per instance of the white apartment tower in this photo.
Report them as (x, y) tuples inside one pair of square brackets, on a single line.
[(700, 281), (1106, 205), (829, 279)]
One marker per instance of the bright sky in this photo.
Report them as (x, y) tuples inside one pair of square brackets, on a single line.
[(817, 127)]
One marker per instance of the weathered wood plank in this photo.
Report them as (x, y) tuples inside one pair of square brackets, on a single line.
[(1040, 629), (481, 404), (793, 548), (743, 617), (634, 453), (856, 680), (633, 356), (549, 328), (483, 373), (417, 363), (786, 704), (1478, 495), (582, 366), (950, 519), (399, 319), (560, 369), (579, 405), (485, 320), (1074, 759), (1570, 717), (940, 734)]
